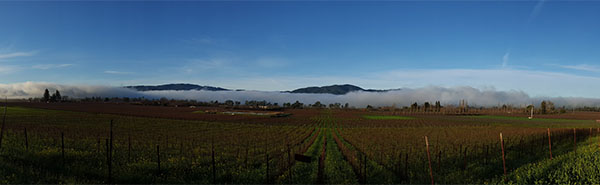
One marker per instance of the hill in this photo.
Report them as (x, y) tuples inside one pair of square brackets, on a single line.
[(334, 89), (176, 87)]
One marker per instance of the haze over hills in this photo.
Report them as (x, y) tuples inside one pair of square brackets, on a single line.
[(331, 89)]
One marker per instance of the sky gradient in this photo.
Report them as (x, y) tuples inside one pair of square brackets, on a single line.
[(544, 48)]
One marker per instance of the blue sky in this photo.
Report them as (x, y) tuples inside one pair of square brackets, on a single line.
[(544, 48)]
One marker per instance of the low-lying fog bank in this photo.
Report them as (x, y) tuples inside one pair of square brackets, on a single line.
[(404, 97)]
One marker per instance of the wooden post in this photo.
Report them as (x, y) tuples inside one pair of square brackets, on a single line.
[(267, 174), (3, 122), (26, 141), (575, 140), (289, 163), (129, 147), (465, 158), (361, 177), (503, 159), (111, 138), (214, 167), (181, 148), (110, 150), (597, 131), (429, 160), (108, 162), (439, 162), (62, 146), (549, 144), (406, 166), (365, 160), (487, 154), (158, 157)]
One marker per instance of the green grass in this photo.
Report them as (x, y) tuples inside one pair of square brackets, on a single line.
[(512, 121), (534, 119), (375, 117), (337, 169), (306, 173), (581, 167)]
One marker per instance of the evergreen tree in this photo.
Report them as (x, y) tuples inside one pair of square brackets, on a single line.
[(426, 106), (46, 95), (58, 97)]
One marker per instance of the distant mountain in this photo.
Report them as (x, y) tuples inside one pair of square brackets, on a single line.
[(176, 87), (334, 89)]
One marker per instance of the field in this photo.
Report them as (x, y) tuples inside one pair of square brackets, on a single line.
[(99, 143)]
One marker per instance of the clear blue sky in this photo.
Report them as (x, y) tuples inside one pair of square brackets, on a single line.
[(545, 48)]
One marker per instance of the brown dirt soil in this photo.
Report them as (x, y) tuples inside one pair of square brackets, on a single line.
[(184, 113)]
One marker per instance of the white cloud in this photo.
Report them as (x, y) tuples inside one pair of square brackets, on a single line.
[(505, 59), (537, 9), (50, 66), (117, 72), (538, 83), (8, 69), (15, 54), (36, 89), (581, 67)]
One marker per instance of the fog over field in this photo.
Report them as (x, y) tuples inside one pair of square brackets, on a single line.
[(403, 97)]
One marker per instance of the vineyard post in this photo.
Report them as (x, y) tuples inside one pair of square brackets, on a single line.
[(181, 148), (365, 160), (158, 158), (399, 164), (549, 144), (598, 130), (108, 162), (111, 142), (129, 147), (289, 162), (429, 160), (214, 167), (487, 154), (3, 121), (247, 151), (360, 168), (267, 174), (406, 166), (62, 146), (110, 150), (465, 158), (439, 163), (575, 140), (503, 159), (26, 141)]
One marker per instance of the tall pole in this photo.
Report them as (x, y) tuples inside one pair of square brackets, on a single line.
[(549, 144), (503, 159), (429, 159), (3, 121)]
